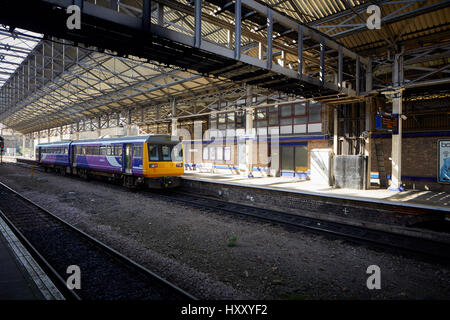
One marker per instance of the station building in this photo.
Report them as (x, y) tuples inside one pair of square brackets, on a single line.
[(274, 92)]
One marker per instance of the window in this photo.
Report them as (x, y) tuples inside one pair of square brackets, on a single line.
[(165, 152), (289, 118), (300, 120), (273, 119), (103, 150), (261, 117), (314, 114), (285, 122), (286, 110), (177, 153), (261, 114), (153, 154), (212, 153), (227, 153), (240, 120), (230, 117), (205, 153), (300, 109), (213, 121), (219, 153), (118, 150), (137, 151)]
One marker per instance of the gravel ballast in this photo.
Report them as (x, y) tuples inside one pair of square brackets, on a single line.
[(189, 246)]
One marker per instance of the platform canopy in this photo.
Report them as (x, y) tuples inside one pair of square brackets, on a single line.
[(51, 82)]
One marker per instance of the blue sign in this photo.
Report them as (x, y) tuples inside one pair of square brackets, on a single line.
[(444, 161)]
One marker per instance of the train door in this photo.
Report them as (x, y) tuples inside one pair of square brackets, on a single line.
[(128, 159), (74, 155)]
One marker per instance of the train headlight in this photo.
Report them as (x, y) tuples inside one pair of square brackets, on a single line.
[(179, 164), (153, 165)]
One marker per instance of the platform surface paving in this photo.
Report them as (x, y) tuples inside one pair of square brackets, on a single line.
[(419, 198)]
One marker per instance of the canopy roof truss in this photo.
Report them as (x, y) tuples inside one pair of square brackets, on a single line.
[(53, 84)]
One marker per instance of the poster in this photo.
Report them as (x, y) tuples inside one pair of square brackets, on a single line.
[(444, 161)]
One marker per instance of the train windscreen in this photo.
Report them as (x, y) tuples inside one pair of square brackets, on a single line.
[(165, 152)]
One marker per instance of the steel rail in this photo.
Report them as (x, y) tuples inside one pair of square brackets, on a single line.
[(426, 248), (106, 249)]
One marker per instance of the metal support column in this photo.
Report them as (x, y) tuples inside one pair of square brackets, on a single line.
[(269, 38), (99, 127), (300, 51), (335, 130), (174, 119), (160, 12), (24, 141), (198, 23), (250, 134), (368, 140), (396, 156), (237, 30)]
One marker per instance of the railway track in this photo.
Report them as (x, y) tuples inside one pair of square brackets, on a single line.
[(105, 273), (392, 242)]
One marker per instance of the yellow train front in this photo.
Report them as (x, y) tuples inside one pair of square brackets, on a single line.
[(162, 162)]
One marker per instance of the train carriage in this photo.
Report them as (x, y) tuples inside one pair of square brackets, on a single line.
[(55, 155), (153, 160)]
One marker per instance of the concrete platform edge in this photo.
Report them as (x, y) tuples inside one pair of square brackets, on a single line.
[(23, 257), (403, 230), (325, 195)]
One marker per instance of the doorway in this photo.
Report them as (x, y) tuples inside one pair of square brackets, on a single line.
[(128, 159), (294, 161)]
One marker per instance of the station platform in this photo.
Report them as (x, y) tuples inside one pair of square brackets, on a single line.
[(21, 278), (377, 208), (439, 200)]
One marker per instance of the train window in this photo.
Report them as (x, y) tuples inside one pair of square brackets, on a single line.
[(177, 153), (103, 150), (153, 154), (137, 151), (118, 150), (165, 152), (205, 153)]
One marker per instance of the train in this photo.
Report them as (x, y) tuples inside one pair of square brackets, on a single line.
[(154, 161)]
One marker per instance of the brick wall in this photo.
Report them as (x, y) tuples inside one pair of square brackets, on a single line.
[(419, 162)]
